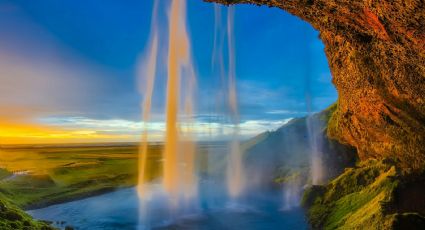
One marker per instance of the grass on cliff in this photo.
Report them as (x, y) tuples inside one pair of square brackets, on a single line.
[(12, 218), (358, 199)]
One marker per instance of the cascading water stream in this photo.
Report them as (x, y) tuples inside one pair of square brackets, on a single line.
[(234, 172), (147, 76), (178, 170), (179, 181), (170, 167), (313, 131), (189, 178), (316, 165)]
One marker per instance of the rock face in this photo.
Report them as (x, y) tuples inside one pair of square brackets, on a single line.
[(376, 52)]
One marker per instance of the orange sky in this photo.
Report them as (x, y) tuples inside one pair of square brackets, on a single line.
[(26, 133)]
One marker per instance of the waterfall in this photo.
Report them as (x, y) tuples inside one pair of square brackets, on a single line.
[(235, 179)]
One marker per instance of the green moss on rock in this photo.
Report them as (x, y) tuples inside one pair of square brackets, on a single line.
[(313, 195), (13, 218), (360, 198)]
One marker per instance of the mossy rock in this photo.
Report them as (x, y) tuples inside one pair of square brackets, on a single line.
[(312, 195), (360, 198), (13, 218)]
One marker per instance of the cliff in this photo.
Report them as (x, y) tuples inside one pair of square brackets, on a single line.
[(376, 53), (372, 195), (11, 217)]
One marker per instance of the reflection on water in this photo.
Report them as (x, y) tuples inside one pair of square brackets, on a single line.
[(119, 210)]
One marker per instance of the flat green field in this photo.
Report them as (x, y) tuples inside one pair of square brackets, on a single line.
[(38, 176)]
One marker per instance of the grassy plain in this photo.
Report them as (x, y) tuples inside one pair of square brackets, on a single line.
[(38, 176)]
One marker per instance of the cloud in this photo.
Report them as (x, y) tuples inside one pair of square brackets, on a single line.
[(131, 130), (285, 112)]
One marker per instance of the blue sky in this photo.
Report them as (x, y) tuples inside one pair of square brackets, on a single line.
[(63, 63)]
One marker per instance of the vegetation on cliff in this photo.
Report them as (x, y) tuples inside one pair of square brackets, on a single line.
[(374, 194), (13, 218), (365, 197)]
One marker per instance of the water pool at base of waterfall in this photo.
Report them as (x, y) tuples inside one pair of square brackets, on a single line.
[(120, 210)]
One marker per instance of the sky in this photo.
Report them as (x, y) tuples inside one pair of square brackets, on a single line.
[(69, 70)]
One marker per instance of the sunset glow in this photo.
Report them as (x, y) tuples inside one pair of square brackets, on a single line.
[(74, 86), (39, 134)]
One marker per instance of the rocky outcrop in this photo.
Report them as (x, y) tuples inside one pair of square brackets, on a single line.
[(376, 53)]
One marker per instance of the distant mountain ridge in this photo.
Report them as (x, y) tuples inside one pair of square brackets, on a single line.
[(279, 153)]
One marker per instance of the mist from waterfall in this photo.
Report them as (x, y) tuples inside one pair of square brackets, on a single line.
[(235, 170), (292, 194), (146, 75), (316, 161), (313, 132), (224, 23)]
